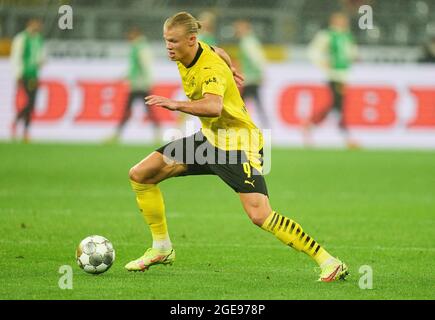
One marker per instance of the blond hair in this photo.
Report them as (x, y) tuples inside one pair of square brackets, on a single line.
[(183, 19)]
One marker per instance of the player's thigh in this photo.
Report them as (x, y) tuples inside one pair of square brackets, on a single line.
[(156, 168), (256, 206)]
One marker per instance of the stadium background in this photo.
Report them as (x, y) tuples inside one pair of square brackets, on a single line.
[(389, 97), (369, 207)]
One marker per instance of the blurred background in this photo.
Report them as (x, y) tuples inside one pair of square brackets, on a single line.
[(382, 96)]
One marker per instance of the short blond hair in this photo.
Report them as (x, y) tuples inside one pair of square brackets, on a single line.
[(183, 19)]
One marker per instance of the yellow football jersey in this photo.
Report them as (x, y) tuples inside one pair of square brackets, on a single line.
[(234, 128)]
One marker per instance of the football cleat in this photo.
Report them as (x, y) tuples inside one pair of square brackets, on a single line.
[(150, 258), (336, 270)]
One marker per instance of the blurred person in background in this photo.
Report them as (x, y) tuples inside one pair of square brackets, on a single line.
[(139, 80), (207, 35), (333, 50), (428, 51), (27, 57), (252, 61)]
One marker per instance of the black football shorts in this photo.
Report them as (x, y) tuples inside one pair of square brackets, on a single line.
[(201, 157)]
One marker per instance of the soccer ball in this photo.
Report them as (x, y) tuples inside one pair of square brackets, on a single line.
[(95, 254)]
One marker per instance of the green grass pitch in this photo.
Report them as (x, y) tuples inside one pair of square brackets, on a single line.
[(374, 208)]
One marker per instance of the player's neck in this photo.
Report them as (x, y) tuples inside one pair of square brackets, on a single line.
[(187, 61)]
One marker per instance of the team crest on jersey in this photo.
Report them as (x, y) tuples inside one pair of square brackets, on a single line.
[(192, 82)]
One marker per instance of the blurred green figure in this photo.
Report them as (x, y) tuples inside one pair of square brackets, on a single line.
[(207, 20), (333, 50), (27, 56), (139, 78), (252, 61)]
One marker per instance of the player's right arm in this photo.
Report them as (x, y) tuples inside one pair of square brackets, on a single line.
[(145, 58), (17, 50), (211, 85), (209, 106), (318, 50)]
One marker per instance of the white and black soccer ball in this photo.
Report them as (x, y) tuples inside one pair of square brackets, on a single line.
[(95, 254)]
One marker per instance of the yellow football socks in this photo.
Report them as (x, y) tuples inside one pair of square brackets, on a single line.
[(150, 202), (291, 233)]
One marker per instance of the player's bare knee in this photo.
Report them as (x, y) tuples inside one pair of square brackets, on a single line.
[(257, 214), (138, 175), (255, 207), (134, 175), (258, 218)]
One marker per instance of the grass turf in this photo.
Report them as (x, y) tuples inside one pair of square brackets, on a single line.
[(373, 208)]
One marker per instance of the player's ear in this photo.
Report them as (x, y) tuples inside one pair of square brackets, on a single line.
[(192, 38)]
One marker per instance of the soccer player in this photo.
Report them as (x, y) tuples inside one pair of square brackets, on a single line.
[(252, 61), (209, 80), (139, 80), (333, 51), (27, 56)]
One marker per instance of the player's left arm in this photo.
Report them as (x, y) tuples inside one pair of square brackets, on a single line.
[(354, 51), (42, 55), (209, 106), (238, 77)]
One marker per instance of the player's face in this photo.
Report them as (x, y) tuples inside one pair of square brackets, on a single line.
[(241, 28), (340, 22), (178, 42), (34, 26)]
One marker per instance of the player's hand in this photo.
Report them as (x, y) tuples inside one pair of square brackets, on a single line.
[(159, 101), (238, 77)]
